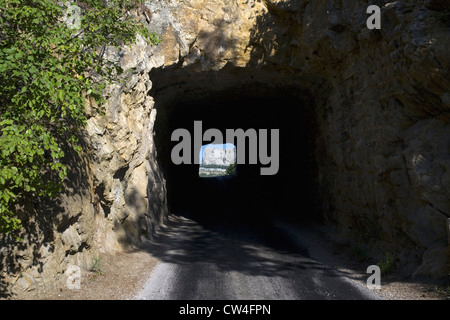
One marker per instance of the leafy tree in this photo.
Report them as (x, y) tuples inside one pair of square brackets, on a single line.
[(51, 60), (231, 169)]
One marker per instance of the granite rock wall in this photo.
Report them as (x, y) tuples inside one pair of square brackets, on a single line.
[(382, 136)]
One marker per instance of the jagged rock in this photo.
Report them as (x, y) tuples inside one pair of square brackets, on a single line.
[(218, 156), (381, 107)]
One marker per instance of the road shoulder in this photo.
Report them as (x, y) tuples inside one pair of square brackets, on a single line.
[(119, 277), (395, 286)]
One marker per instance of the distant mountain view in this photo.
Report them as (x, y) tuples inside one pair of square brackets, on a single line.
[(217, 160)]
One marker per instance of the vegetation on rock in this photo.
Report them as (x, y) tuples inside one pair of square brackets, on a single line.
[(52, 58)]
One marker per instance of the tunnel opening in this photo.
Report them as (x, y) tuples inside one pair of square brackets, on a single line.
[(217, 160), (248, 196)]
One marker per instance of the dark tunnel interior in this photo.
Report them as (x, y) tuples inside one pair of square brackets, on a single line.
[(248, 196)]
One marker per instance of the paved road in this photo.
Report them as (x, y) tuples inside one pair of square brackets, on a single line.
[(239, 262)]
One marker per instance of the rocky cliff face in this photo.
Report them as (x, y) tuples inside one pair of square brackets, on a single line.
[(218, 156), (381, 101)]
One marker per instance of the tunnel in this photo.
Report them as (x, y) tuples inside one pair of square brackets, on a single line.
[(238, 100)]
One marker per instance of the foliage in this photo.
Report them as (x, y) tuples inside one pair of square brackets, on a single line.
[(96, 266), (443, 291), (231, 169), (387, 265), (48, 67), (213, 166)]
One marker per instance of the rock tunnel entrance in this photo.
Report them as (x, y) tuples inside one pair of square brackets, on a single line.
[(246, 196)]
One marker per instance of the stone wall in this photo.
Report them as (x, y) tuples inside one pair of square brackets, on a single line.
[(385, 129), (381, 104)]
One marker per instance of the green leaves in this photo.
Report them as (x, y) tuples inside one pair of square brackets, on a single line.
[(46, 70)]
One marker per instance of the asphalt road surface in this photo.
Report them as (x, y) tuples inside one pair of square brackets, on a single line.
[(241, 261)]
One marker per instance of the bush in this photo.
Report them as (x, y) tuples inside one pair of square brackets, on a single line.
[(47, 69), (231, 169), (387, 265), (96, 266)]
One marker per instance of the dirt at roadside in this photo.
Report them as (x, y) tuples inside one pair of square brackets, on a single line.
[(395, 285), (119, 277)]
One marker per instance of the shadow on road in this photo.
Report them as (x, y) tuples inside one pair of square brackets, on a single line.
[(248, 248)]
